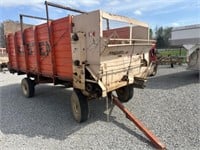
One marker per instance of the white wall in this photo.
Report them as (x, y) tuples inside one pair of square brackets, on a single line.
[(186, 34)]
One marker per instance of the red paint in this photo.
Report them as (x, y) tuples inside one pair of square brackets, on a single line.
[(39, 55)]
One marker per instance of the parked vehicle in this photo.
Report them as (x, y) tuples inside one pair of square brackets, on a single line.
[(3, 58), (83, 52), (189, 38)]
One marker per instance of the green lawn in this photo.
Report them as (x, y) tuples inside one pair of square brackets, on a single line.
[(172, 52)]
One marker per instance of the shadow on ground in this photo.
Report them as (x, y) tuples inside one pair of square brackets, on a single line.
[(47, 114), (174, 80)]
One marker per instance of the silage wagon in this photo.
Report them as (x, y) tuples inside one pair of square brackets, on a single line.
[(87, 52)]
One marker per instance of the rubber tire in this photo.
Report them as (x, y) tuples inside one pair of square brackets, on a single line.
[(28, 87), (155, 67), (125, 93), (79, 106), (1, 67)]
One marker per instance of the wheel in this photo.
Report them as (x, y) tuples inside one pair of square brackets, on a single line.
[(28, 87), (154, 72), (172, 65), (125, 93), (1, 67), (79, 106)]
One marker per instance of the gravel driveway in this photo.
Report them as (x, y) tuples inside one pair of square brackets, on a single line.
[(168, 106)]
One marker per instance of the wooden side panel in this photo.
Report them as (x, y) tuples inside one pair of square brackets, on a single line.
[(61, 30), (40, 51), (11, 51), (30, 49), (20, 51), (44, 49)]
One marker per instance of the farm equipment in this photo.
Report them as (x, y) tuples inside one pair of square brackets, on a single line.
[(88, 52), (170, 60), (189, 38), (82, 52), (3, 58), (132, 118)]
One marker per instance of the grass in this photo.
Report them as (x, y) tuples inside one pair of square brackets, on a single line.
[(172, 52)]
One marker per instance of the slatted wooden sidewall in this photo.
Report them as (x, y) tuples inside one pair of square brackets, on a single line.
[(20, 54), (29, 47), (61, 30), (11, 51), (45, 53), (44, 50)]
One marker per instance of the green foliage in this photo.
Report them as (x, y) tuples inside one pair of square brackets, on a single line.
[(2, 38), (173, 52), (150, 33), (162, 36)]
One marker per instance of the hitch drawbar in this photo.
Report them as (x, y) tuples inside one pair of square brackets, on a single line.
[(141, 126)]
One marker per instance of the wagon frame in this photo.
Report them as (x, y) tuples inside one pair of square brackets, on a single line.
[(79, 52)]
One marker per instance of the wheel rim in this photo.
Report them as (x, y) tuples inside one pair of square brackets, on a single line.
[(76, 109)]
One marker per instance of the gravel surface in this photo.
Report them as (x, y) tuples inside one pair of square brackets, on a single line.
[(168, 106)]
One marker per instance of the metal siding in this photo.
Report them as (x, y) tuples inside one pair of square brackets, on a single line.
[(42, 64), (20, 51), (61, 29)]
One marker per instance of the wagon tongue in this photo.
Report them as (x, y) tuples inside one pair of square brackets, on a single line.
[(139, 124)]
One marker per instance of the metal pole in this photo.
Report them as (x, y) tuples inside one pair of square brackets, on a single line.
[(50, 41), (63, 7), (34, 17), (21, 25), (130, 34), (47, 12), (180, 51), (148, 34), (107, 23), (139, 124), (47, 15)]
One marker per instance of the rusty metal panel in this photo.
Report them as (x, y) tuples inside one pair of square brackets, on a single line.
[(44, 49), (38, 47), (29, 47), (20, 54), (11, 51), (61, 32)]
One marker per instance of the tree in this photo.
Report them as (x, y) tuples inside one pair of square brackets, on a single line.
[(2, 37), (162, 36), (167, 35), (150, 33)]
